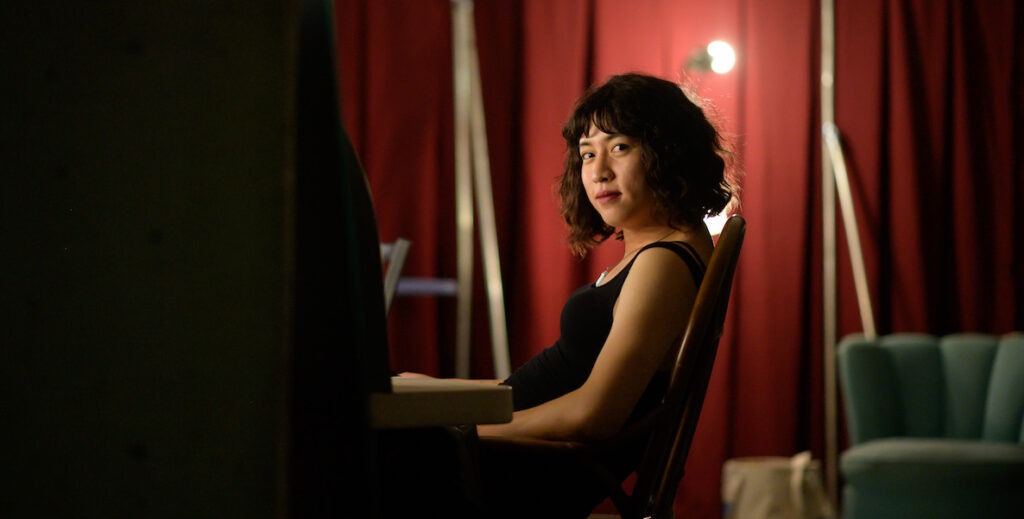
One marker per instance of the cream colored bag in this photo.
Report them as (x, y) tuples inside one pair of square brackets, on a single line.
[(774, 488)]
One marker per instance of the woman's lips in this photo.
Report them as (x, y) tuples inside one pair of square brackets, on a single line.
[(606, 196)]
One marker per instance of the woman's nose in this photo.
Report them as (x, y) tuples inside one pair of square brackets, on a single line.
[(600, 172)]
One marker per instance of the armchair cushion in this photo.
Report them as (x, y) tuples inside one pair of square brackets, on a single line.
[(931, 465)]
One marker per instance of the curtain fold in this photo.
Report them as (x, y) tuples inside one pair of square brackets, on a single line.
[(928, 104), (930, 116)]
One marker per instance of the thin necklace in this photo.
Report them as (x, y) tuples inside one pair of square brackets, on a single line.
[(628, 254)]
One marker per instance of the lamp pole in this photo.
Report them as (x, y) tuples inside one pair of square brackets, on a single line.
[(828, 223), (836, 183)]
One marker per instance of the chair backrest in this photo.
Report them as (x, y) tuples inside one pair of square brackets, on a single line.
[(962, 385), (662, 466)]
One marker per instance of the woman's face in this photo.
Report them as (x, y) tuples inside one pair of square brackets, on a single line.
[(614, 178)]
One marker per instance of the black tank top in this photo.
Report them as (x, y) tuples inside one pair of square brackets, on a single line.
[(585, 323)]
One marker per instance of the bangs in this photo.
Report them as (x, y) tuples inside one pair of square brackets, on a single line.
[(597, 112), (604, 121)]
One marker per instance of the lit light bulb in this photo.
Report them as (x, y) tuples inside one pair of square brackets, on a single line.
[(722, 56)]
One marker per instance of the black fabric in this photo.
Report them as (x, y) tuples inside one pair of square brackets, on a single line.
[(426, 469), (429, 472), (585, 323), (538, 485)]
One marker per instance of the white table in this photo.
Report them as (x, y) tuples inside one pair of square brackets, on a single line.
[(429, 402)]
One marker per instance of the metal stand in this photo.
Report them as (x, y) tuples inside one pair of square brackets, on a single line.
[(473, 177), (834, 180)]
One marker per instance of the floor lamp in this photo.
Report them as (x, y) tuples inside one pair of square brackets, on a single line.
[(835, 182)]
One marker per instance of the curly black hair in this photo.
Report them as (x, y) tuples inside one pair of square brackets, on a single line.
[(683, 154)]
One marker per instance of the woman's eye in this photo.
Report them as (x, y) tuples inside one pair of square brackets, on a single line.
[(585, 155), (620, 147)]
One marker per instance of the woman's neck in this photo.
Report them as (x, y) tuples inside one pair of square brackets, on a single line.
[(634, 240)]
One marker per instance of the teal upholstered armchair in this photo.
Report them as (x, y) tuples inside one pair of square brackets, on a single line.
[(936, 426)]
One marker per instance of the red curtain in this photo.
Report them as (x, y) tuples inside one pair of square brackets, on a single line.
[(928, 103)]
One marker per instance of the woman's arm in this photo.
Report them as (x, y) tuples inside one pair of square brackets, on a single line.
[(649, 317)]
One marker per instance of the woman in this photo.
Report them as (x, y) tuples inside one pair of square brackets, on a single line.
[(646, 165)]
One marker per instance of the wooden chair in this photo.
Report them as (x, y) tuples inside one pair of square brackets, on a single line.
[(671, 426)]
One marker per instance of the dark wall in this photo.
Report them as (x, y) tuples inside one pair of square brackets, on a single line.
[(143, 272)]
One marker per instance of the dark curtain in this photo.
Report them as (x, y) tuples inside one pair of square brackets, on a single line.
[(928, 102)]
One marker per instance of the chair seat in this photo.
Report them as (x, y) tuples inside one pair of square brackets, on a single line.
[(929, 464)]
